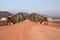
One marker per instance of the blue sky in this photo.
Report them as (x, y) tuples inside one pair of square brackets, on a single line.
[(29, 5)]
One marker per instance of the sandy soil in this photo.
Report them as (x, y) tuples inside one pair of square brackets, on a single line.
[(28, 30), (55, 25)]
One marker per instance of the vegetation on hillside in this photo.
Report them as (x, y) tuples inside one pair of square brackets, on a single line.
[(18, 18), (36, 17), (23, 16)]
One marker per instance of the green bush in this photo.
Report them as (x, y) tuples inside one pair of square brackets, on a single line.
[(21, 18), (18, 19), (14, 20)]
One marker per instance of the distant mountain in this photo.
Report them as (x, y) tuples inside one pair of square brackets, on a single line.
[(4, 14), (26, 15), (52, 14)]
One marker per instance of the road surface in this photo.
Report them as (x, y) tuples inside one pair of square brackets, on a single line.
[(29, 30)]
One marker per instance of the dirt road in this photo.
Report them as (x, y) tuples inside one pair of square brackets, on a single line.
[(29, 30)]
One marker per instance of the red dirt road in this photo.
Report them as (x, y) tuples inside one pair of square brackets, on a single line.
[(29, 30)]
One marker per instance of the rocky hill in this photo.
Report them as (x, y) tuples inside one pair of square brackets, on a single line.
[(4, 14)]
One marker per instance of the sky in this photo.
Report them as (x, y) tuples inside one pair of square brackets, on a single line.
[(29, 5)]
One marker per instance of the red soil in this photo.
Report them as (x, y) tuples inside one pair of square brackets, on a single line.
[(28, 30)]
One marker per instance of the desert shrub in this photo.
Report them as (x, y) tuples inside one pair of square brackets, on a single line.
[(38, 19), (14, 20), (20, 19)]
